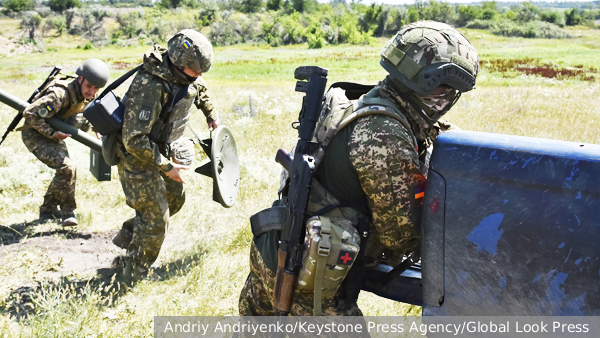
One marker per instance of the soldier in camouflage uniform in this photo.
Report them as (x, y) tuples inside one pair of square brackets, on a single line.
[(381, 158), (64, 97), (157, 110)]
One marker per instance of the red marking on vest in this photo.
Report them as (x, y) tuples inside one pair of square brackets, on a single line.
[(346, 258)]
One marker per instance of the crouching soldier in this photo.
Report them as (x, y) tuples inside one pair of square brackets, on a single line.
[(152, 149), (371, 160), (65, 97)]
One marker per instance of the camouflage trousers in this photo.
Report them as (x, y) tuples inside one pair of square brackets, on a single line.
[(154, 197), (256, 298), (54, 154)]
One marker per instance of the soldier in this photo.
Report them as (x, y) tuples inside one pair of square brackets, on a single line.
[(151, 150), (377, 161), (64, 97)]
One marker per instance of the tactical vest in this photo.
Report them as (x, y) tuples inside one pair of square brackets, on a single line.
[(68, 113), (175, 114), (71, 85), (337, 232)]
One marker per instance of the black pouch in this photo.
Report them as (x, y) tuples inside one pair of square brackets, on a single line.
[(106, 112)]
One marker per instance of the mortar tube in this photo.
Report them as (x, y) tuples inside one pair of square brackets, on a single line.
[(78, 135)]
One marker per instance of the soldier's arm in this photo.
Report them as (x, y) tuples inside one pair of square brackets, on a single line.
[(143, 106), (202, 101), (46, 107), (385, 159)]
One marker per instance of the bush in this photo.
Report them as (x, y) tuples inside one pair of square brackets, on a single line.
[(19, 5), (62, 5), (532, 29), (88, 45)]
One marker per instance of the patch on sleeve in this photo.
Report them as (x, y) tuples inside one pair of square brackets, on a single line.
[(186, 45), (43, 112), (145, 113)]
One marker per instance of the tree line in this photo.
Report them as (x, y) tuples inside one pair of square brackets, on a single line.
[(281, 22)]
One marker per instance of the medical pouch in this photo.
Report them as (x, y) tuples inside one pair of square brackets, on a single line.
[(331, 247)]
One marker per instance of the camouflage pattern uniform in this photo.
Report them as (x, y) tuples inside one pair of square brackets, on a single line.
[(143, 162), (61, 98), (388, 160)]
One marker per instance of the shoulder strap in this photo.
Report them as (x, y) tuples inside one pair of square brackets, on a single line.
[(116, 83)]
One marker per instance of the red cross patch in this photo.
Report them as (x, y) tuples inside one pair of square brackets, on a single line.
[(346, 257)]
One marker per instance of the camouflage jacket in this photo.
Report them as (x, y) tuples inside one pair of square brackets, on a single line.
[(61, 95), (143, 106), (388, 164)]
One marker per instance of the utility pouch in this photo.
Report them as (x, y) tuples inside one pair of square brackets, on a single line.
[(106, 112), (331, 247)]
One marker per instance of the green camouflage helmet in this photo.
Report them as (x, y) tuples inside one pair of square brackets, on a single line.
[(426, 54), (191, 49), (95, 71)]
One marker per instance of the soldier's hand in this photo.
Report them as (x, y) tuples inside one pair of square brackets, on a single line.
[(60, 135), (213, 124), (174, 173)]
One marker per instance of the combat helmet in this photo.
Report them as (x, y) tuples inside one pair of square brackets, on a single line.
[(425, 55), (95, 71), (191, 49)]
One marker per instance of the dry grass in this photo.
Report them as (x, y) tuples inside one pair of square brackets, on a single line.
[(204, 274)]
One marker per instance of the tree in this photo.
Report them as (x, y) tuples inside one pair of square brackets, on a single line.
[(62, 5), (468, 13), (19, 5), (251, 6), (527, 12), (369, 19), (298, 5), (274, 5), (170, 3), (572, 18), (412, 15)]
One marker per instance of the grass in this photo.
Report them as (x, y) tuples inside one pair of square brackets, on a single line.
[(205, 274)]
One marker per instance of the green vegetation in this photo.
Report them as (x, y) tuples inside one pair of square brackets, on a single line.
[(288, 22), (526, 86)]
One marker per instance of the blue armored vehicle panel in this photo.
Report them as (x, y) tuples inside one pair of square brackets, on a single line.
[(511, 226)]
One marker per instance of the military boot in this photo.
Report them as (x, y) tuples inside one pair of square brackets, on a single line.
[(49, 214), (69, 220), (122, 239)]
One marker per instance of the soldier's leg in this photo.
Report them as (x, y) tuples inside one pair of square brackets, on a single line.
[(175, 194), (256, 298), (145, 191), (56, 156)]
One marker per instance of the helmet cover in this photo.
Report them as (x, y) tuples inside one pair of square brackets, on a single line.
[(426, 54), (191, 49)]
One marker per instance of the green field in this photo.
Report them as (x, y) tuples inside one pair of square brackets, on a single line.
[(206, 263)]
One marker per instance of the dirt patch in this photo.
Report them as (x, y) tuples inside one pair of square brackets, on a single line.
[(532, 66), (63, 253), (4, 45)]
